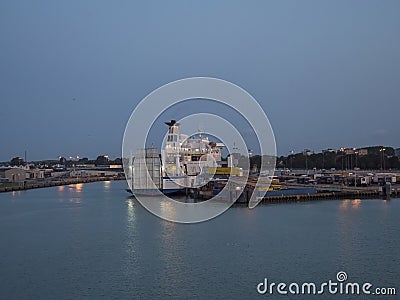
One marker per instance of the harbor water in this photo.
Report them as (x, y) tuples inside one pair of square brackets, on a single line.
[(92, 241)]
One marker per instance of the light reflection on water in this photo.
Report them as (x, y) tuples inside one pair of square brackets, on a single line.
[(130, 242), (107, 184), (350, 204), (70, 193), (131, 213), (78, 187), (184, 210), (109, 246)]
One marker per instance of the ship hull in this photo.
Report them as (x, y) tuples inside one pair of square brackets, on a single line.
[(152, 193)]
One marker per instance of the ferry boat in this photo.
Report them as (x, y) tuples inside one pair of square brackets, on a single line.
[(185, 162)]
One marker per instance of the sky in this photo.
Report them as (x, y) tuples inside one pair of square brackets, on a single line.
[(326, 73)]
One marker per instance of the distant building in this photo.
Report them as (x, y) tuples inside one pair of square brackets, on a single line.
[(329, 151), (13, 174), (36, 174), (363, 152), (348, 151), (94, 172)]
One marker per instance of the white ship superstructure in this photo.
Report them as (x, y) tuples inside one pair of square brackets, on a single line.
[(186, 161)]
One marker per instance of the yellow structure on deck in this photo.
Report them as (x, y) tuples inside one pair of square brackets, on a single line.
[(235, 171)]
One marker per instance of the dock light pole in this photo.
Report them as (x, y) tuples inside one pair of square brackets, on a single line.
[(384, 156), (291, 159), (306, 154), (355, 169), (382, 150), (356, 156)]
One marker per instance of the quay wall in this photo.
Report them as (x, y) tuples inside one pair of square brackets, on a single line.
[(64, 181)]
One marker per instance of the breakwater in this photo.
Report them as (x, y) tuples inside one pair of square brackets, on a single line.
[(50, 183)]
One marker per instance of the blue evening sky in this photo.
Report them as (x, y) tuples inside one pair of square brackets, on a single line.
[(327, 73)]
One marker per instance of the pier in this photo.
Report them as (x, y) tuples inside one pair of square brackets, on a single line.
[(51, 183), (322, 192)]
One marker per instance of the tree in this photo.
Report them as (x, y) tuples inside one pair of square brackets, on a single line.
[(17, 161), (83, 160), (118, 161), (102, 160), (62, 160)]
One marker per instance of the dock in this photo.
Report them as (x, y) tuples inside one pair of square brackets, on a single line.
[(51, 183), (323, 192)]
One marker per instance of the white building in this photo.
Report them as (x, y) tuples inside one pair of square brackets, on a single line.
[(13, 174)]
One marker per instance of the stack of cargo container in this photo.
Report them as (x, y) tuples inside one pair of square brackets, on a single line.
[(147, 170)]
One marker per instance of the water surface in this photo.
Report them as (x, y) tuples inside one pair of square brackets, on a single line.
[(91, 241)]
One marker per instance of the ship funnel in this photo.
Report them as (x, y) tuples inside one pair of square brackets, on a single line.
[(171, 123)]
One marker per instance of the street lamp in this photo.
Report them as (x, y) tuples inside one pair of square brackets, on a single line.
[(382, 150), (355, 169), (384, 156), (356, 154), (306, 154), (291, 159)]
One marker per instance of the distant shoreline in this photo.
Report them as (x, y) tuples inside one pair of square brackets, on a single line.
[(65, 181)]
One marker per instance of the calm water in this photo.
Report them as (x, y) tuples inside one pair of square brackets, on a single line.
[(91, 241)]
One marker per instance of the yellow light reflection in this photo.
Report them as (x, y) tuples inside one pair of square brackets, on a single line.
[(356, 203), (78, 187), (60, 188), (353, 204)]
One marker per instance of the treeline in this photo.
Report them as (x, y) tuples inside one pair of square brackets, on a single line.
[(377, 158)]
